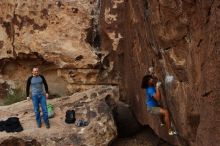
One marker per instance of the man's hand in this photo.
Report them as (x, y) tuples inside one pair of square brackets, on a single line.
[(28, 98), (158, 84), (47, 95)]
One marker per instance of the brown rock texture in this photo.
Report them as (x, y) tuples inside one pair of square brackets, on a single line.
[(61, 38), (84, 44), (181, 40), (57, 36), (94, 105)]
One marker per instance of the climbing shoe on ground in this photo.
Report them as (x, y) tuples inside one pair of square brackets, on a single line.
[(172, 132), (81, 123)]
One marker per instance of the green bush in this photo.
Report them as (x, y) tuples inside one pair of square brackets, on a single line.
[(13, 96)]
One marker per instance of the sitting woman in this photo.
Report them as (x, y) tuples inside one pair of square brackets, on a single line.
[(152, 101)]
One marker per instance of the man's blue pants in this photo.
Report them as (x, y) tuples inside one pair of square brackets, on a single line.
[(40, 99)]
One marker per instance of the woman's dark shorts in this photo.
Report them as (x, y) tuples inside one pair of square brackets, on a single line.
[(154, 110)]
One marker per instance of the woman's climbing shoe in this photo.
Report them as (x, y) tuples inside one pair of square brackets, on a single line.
[(172, 132)]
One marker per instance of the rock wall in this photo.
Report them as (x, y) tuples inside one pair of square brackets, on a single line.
[(83, 44), (62, 39), (59, 37), (181, 40)]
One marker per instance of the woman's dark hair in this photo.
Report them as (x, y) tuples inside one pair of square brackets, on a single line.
[(145, 80)]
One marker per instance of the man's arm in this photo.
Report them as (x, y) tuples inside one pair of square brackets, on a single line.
[(28, 86), (45, 84)]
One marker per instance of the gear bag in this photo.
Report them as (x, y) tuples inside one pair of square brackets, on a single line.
[(50, 110), (70, 116)]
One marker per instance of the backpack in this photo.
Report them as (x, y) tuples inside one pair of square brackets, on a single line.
[(12, 124), (50, 110), (70, 116), (2, 126)]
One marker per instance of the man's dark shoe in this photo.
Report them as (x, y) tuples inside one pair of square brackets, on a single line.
[(47, 125), (39, 125)]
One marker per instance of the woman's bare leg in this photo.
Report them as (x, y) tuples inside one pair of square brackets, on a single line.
[(165, 113)]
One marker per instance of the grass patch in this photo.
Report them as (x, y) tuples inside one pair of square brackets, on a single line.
[(13, 96)]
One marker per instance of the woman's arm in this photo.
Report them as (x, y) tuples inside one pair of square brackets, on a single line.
[(157, 94)]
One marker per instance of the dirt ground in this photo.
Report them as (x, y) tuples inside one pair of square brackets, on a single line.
[(145, 137)]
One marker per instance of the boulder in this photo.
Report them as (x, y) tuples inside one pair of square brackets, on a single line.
[(181, 40), (90, 105)]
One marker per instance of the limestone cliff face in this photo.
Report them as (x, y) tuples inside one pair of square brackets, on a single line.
[(181, 40), (59, 37)]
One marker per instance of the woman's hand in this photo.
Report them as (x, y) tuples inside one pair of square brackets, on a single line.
[(158, 84)]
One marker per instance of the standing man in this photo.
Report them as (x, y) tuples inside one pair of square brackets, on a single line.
[(36, 82)]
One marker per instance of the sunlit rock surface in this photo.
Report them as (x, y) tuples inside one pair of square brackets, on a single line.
[(94, 106)]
